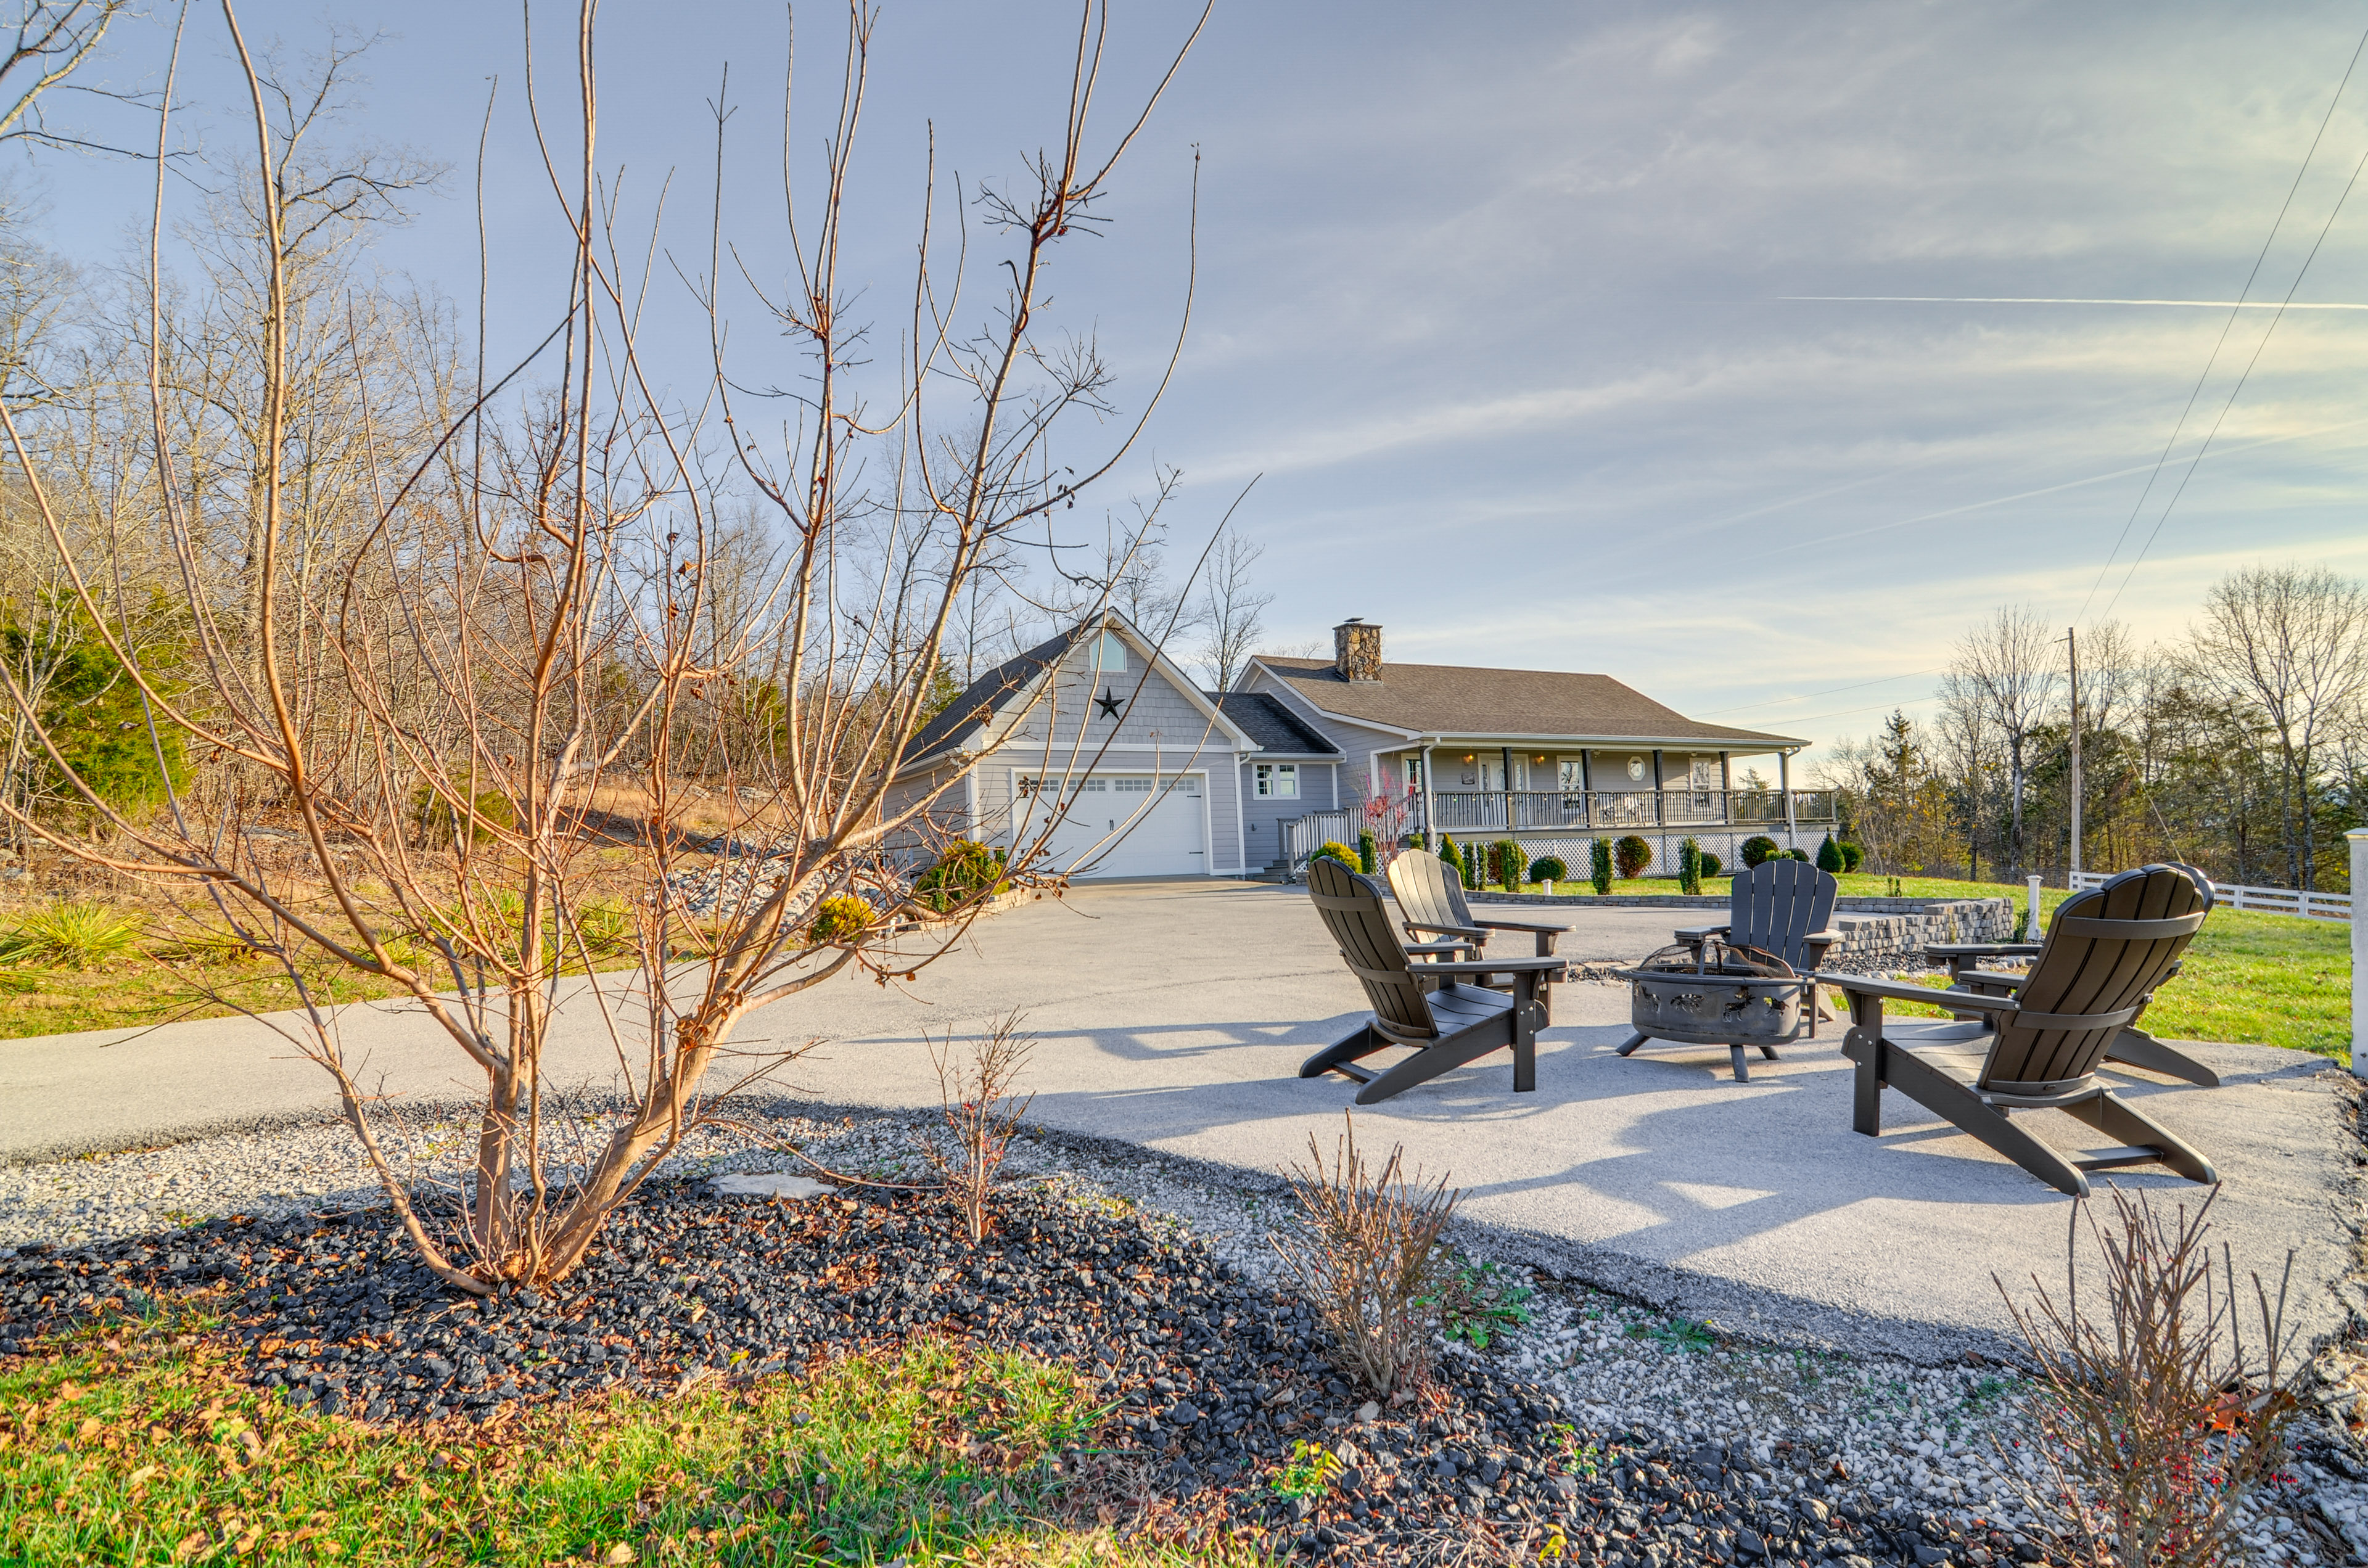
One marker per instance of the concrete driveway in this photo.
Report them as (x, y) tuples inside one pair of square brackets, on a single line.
[(1175, 1016)]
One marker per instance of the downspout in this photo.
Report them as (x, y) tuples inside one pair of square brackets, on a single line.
[(1784, 786), (1429, 818)]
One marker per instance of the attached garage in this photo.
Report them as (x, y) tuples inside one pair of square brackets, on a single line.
[(1121, 824)]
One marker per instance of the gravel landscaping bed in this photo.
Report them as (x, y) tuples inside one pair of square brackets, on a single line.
[(1641, 1437)]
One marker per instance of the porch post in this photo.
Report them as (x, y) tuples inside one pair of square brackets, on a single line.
[(1587, 787), (1507, 754), (1726, 787), (1785, 787), (1429, 821)]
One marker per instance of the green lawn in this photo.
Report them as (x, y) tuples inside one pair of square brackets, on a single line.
[(134, 1445)]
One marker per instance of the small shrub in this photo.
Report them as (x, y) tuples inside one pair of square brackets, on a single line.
[(1512, 864), (982, 1117), (1369, 1260), (1632, 854), (1332, 849), (1690, 866), (1711, 864), (72, 934), (1369, 853), (1454, 858), (839, 918), (965, 870), (1854, 855), (1598, 867), (1829, 856), (438, 819), (1548, 868), (1757, 850), (2160, 1420), (1800, 855)]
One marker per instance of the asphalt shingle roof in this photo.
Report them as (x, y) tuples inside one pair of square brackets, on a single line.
[(1463, 699), (1267, 722), (966, 715)]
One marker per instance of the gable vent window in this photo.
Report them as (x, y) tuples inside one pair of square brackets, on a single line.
[(1107, 652), (1278, 780)]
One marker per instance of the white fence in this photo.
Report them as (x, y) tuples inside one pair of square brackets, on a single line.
[(2272, 900)]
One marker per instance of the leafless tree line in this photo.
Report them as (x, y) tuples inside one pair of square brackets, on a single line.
[(2242, 747)]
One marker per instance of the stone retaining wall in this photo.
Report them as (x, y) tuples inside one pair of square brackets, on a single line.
[(1876, 933)]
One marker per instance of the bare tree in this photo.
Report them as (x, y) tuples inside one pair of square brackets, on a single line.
[(53, 38), (2291, 643), (1232, 611), (518, 646), (2006, 671)]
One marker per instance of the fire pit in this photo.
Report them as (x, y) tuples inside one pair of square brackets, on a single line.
[(1716, 995)]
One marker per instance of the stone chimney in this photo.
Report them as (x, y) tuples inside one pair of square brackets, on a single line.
[(1356, 649)]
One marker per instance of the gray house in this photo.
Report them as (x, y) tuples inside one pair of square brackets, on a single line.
[(1551, 758), (1135, 770)]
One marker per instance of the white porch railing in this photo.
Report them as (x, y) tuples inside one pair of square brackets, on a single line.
[(1302, 836), (2272, 900)]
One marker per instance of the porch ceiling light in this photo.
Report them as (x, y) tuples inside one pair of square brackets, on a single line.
[(1467, 757)]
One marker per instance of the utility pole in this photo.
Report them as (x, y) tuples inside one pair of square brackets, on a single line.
[(2072, 644)]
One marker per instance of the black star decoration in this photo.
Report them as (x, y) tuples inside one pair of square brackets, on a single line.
[(1107, 703)]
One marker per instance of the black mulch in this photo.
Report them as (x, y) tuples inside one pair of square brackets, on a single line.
[(1214, 1377)]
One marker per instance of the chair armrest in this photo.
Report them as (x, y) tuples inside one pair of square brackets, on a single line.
[(1471, 931), (1701, 933), (1524, 925), (1982, 949), (1996, 982), (1496, 966), (1902, 991), (1416, 948)]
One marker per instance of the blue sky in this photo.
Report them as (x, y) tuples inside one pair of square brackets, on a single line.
[(1506, 301)]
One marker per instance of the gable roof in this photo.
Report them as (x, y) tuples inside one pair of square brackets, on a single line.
[(1275, 728), (967, 716), (964, 723), (1461, 700)]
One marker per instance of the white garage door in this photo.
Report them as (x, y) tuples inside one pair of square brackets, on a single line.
[(1124, 825)]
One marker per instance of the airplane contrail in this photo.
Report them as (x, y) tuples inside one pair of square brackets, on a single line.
[(1987, 299)]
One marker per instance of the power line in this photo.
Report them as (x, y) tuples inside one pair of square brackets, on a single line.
[(2239, 387), (2245, 293)]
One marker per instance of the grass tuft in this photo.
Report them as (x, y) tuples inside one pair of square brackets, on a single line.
[(72, 934)]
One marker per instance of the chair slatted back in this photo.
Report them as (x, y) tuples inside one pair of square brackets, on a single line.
[(1427, 893), (2105, 952), (1352, 908), (1776, 903)]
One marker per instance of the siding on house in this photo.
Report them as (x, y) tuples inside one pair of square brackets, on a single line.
[(1262, 819), (1358, 743)]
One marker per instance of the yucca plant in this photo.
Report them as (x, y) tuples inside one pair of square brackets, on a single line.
[(72, 934)]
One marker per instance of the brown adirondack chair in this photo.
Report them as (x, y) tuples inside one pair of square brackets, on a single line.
[(2040, 1048), (1779, 908), (1444, 1028), (1430, 898), (2133, 1047)]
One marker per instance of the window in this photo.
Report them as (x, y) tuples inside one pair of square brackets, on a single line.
[(1130, 785), (1109, 652), (1278, 780), (1573, 775), (1414, 774)]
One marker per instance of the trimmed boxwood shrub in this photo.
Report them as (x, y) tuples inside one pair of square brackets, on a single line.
[(1690, 866), (1454, 858), (1331, 849), (1854, 855), (1712, 864), (1830, 856), (1369, 853), (839, 918), (1632, 854), (1757, 849), (1511, 862), (1598, 867), (1547, 869)]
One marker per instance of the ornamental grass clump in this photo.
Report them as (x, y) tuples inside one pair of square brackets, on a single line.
[(1372, 1260), (2158, 1420), (72, 934)]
